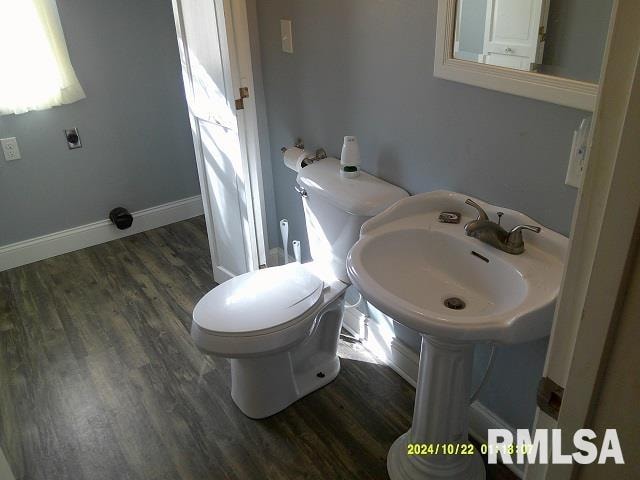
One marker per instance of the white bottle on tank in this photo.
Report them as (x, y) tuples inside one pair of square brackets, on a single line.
[(350, 158)]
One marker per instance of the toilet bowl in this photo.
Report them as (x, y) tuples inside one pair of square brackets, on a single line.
[(279, 327)]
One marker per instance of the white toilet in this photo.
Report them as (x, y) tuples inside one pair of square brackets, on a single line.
[(280, 326)]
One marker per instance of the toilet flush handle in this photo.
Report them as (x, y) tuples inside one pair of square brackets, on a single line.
[(301, 191)]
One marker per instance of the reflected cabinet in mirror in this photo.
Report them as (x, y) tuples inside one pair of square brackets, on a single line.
[(550, 50)]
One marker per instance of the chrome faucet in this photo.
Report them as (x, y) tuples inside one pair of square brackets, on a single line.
[(492, 233)]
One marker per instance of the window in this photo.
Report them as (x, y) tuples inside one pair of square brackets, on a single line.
[(36, 70)]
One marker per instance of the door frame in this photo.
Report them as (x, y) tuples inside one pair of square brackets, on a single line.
[(242, 68), (603, 236), (237, 36)]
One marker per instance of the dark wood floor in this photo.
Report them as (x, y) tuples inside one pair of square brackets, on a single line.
[(99, 379)]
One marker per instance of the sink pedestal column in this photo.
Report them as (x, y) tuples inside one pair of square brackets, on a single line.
[(440, 418)]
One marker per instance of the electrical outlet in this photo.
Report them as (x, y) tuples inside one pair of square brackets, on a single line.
[(578, 155), (73, 138), (10, 149)]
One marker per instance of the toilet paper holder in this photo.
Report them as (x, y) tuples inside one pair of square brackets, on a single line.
[(320, 154)]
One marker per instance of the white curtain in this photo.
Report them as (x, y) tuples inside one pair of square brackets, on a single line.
[(35, 70)]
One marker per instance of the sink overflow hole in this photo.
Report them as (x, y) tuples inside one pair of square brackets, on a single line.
[(454, 303), (320, 375), (481, 257)]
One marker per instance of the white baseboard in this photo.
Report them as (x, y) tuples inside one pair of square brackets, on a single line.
[(65, 241), (404, 361)]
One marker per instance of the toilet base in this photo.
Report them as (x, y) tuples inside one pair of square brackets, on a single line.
[(262, 386)]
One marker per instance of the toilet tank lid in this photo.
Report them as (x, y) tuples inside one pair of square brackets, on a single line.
[(364, 195)]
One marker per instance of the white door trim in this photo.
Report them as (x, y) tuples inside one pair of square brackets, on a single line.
[(602, 237), (234, 31), (251, 129)]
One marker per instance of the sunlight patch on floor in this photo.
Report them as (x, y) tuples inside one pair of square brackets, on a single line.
[(354, 350)]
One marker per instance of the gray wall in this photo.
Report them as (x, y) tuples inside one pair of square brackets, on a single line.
[(137, 149), (472, 23), (576, 37), (272, 220), (366, 68)]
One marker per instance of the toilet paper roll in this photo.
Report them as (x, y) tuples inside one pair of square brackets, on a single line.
[(294, 156)]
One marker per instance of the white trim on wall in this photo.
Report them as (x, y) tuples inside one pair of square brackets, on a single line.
[(65, 241), (404, 361)]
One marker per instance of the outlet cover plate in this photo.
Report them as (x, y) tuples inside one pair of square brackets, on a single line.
[(73, 138), (10, 149)]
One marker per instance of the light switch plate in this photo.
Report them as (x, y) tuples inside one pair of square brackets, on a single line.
[(10, 149), (286, 33)]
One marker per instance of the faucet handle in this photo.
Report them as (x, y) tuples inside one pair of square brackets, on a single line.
[(519, 228), (514, 238), (482, 215)]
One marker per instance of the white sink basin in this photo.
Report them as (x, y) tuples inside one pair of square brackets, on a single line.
[(416, 269), (407, 264)]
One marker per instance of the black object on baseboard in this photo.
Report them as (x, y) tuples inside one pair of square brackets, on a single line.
[(121, 218)]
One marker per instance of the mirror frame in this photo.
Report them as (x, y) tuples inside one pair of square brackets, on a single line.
[(562, 91)]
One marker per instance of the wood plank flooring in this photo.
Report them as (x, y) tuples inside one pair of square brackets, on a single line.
[(99, 379)]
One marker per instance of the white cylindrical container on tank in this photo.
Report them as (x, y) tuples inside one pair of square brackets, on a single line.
[(350, 158)]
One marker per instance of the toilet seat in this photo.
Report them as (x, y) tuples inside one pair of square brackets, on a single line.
[(258, 311)]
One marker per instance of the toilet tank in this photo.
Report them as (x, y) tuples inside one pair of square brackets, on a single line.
[(335, 208)]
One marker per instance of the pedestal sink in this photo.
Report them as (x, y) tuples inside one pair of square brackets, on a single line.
[(456, 291)]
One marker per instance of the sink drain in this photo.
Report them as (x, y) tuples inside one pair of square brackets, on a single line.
[(454, 303)]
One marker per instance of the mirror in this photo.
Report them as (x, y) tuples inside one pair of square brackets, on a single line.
[(551, 50), (562, 38)]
